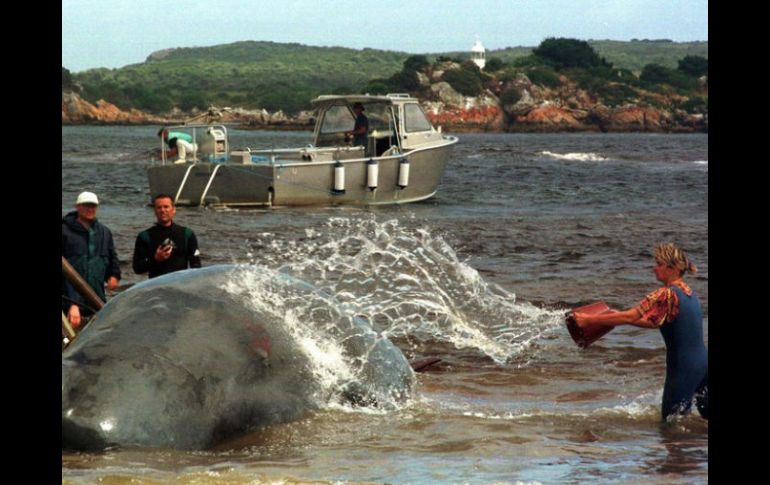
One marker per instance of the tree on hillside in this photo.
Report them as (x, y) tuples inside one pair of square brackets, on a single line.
[(655, 74), (66, 79), (564, 53), (416, 63), (695, 66), (494, 64), (467, 80)]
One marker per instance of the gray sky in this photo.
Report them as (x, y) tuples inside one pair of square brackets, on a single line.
[(114, 33)]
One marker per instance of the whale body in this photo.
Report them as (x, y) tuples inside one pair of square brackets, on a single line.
[(183, 361)]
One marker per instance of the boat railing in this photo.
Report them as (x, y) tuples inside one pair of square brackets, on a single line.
[(184, 181)]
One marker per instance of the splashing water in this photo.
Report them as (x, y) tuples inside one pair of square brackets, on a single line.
[(345, 354), (411, 286)]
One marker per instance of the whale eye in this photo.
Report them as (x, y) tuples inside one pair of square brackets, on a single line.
[(259, 339)]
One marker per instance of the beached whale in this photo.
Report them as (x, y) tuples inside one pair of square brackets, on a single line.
[(194, 358)]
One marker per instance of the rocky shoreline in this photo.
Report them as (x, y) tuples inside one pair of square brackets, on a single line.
[(537, 109)]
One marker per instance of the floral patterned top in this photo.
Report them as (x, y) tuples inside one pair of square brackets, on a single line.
[(662, 305)]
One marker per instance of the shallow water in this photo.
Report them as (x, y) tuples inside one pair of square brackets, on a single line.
[(523, 226)]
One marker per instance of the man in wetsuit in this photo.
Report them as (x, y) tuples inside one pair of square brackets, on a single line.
[(361, 127), (166, 246), (676, 310)]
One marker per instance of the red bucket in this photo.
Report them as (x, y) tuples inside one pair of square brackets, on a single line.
[(585, 336)]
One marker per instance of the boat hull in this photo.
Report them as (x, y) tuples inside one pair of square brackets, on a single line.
[(301, 183)]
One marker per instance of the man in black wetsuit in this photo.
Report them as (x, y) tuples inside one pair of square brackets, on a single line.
[(165, 247), (361, 127)]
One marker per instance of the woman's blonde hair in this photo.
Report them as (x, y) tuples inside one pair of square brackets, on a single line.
[(674, 257)]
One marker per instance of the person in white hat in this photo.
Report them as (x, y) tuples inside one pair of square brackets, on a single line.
[(88, 246)]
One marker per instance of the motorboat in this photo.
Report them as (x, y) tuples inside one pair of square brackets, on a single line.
[(402, 160)]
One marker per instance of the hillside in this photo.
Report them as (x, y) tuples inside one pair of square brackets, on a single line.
[(276, 76), (246, 74)]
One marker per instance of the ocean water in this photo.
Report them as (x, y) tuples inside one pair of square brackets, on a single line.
[(523, 227)]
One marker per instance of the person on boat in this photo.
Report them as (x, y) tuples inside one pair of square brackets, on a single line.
[(360, 128), (179, 143), (165, 247), (676, 310), (89, 247)]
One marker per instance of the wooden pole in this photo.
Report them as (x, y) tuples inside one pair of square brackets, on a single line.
[(80, 285)]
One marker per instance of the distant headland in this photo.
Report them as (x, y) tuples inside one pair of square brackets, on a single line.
[(561, 85)]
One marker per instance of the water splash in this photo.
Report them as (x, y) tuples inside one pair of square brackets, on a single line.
[(410, 285), (345, 355)]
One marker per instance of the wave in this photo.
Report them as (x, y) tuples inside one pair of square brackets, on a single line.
[(582, 157)]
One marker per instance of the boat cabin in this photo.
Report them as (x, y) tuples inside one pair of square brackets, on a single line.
[(397, 123)]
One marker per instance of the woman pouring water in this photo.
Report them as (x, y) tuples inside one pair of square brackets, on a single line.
[(676, 310)]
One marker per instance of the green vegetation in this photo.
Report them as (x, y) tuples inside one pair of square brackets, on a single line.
[(247, 74), (633, 55), (468, 80), (543, 76), (255, 75), (509, 97), (564, 53), (66, 80), (694, 66), (405, 80)]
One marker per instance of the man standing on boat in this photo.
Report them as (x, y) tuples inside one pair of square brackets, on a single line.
[(165, 247), (178, 143), (88, 246), (361, 128)]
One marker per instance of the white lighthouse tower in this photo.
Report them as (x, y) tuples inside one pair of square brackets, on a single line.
[(477, 54)]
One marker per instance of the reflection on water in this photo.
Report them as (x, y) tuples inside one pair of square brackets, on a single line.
[(682, 451)]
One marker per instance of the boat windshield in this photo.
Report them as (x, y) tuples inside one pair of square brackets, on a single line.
[(340, 118), (414, 119)]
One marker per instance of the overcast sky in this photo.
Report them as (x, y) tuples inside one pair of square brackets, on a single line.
[(114, 33)]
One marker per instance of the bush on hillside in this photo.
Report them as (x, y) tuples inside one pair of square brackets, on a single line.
[(464, 81), (494, 64), (377, 86), (655, 74), (696, 104), (543, 76), (404, 81), (416, 63), (563, 53), (194, 100), (614, 94), (66, 79), (695, 66), (527, 62), (510, 96)]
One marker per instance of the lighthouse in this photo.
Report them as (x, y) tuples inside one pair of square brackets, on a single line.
[(477, 54)]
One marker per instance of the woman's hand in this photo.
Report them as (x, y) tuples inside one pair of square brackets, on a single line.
[(581, 319)]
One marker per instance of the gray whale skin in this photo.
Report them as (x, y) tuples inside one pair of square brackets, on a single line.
[(179, 362)]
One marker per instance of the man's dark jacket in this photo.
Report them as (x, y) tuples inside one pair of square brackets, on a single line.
[(91, 253), (184, 255)]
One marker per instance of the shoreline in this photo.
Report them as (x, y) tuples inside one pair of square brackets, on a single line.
[(521, 129)]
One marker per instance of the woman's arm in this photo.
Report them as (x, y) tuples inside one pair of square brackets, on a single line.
[(632, 316)]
